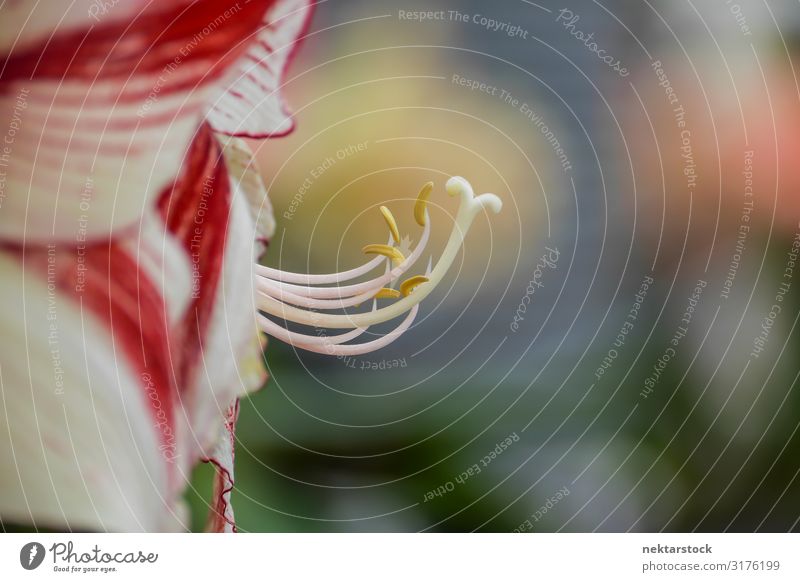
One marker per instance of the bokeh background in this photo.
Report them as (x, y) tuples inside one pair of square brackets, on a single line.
[(600, 425)]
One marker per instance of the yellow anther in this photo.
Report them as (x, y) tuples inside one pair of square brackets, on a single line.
[(391, 223), (407, 286), (385, 250), (422, 203), (387, 293)]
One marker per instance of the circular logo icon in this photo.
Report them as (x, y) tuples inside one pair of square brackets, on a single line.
[(31, 555)]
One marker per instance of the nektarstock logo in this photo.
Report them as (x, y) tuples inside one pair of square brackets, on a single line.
[(31, 555)]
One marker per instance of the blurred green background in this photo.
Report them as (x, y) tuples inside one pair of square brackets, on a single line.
[(333, 445)]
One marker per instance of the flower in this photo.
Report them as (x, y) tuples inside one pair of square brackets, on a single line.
[(131, 220)]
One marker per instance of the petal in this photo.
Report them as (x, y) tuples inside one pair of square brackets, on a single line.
[(172, 312), (252, 105), (160, 257), (71, 169), (102, 121), (88, 444), (102, 117), (243, 169), (211, 212), (220, 518), (231, 363), (217, 342), (29, 23), (232, 351)]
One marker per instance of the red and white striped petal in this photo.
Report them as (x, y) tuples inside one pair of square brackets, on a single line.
[(155, 332), (27, 22), (233, 338), (251, 105), (102, 117), (231, 363), (221, 518), (85, 399), (161, 258), (80, 171), (217, 343)]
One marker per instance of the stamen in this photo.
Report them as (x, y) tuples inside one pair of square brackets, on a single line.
[(407, 286), (391, 223), (421, 205), (348, 290), (279, 297), (309, 279), (385, 250), (297, 339), (387, 293), (335, 349)]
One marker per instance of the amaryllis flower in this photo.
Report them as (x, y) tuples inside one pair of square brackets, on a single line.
[(131, 221)]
